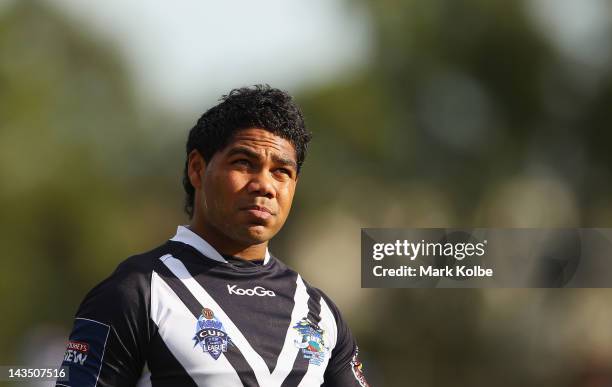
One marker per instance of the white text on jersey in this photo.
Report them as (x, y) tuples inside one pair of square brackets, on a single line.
[(256, 291)]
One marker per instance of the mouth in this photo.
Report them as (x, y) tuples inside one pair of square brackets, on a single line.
[(258, 212)]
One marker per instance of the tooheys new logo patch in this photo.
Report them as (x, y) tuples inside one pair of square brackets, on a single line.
[(76, 352), (311, 341), (211, 335)]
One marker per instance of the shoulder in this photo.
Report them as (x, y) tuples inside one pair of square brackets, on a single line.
[(143, 262), (127, 287), (135, 269), (314, 292), (324, 312)]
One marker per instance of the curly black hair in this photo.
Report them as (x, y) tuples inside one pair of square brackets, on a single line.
[(259, 106)]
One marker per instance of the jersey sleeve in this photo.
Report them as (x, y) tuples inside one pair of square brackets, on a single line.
[(111, 331), (344, 368)]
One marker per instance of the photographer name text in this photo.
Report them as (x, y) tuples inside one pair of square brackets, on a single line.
[(432, 271), (413, 250)]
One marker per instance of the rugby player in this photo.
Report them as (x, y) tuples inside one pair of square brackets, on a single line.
[(211, 306)]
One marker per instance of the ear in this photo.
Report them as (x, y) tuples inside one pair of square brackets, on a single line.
[(196, 167)]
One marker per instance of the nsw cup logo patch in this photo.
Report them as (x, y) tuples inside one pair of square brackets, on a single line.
[(210, 334)]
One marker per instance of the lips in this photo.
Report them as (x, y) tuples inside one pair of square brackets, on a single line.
[(259, 212)]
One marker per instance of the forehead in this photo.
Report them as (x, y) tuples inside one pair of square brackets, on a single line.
[(261, 141)]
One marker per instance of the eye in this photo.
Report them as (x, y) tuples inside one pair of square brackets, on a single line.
[(242, 162), (284, 171)]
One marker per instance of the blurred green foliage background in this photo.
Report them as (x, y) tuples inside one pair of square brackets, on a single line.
[(466, 113)]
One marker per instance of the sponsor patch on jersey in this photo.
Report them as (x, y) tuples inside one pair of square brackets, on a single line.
[(357, 368), (85, 351), (210, 334), (311, 341)]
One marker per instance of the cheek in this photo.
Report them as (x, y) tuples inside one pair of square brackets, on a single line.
[(285, 196), (233, 182), (222, 188)]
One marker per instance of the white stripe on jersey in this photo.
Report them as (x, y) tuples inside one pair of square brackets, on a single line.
[(289, 351), (328, 323), (176, 326), (285, 361)]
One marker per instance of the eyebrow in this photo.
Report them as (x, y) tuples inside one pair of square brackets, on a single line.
[(250, 153)]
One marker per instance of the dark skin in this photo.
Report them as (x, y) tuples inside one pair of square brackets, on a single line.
[(243, 195)]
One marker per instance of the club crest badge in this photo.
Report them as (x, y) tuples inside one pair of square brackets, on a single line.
[(357, 368), (311, 341), (211, 335)]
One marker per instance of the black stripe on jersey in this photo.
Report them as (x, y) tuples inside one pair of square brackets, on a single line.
[(162, 359), (314, 305), (300, 364), (233, 354)]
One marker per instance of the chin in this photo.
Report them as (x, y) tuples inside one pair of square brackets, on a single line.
[(256, 234)]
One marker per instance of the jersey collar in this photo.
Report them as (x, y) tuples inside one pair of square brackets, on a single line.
[(185, 235)]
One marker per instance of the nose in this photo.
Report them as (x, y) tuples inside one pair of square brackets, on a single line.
[(262, 184)]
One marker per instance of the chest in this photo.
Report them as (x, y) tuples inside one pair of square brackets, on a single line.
[(228, 332)]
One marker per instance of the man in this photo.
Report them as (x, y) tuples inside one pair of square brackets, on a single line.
[(211, 306)]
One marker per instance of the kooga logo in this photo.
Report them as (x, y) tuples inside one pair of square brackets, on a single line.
[(256, 291)]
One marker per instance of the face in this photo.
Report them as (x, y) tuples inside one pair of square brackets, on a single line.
[(244, 193)]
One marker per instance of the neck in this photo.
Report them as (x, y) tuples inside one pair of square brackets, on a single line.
[(227, 246)]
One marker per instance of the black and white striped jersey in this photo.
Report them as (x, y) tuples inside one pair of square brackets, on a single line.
[(182, 315)]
